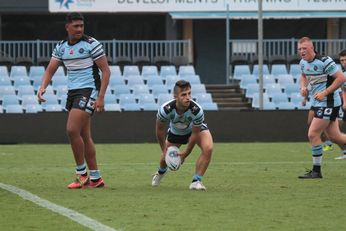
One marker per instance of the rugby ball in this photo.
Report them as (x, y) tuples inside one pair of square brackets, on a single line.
[(172, 159)]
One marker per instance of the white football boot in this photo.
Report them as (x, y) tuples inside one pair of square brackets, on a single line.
[(340, 157), (157, 179), (197, 185)]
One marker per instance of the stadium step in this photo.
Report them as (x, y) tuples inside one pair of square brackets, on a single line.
[(228, 97)]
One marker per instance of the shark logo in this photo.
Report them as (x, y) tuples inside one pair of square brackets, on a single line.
[(64, 3)]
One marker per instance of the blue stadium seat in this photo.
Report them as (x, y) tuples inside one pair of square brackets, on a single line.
[(203, 98), (211, 106), (110, 99), (291, 88), (18, 71), (53, 107), (29, 100), (186, 70), (36, 82), (7, 90), (115, 70), (272, 89), (9, 100), (130, 107), (278, 69), (127, 99), (139, 89), (295, 70), (251, 90), (51, 99), (269, 106), (193, 79), (4, 71), (171, 80), (167, 70), (285, 79), (5, 81), (147, 102), (154, 80), (112, 107), (279, 98), (25, 90), (61, 91), (59, 72), (158, 89), (130, 70), (149, 107), (268, 79), (265, 70), (246, 81), (198, 88), (1, 109), (33, 108), (296, 98), (36, 72), (21, 81), (255, 100), (14, 109), (240, 70), (286, 106), (134, 80), (162, 98), (120, 89), (149, 71), (116, 80)]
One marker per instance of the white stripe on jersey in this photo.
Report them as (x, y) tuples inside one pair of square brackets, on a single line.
[(77, 64)]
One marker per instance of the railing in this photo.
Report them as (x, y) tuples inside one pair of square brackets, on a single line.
[(284, 47), (113, 48)]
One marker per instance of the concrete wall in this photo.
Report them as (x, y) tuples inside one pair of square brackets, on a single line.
[(138, 127)]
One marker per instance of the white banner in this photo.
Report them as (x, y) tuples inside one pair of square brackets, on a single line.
[(193, 5)]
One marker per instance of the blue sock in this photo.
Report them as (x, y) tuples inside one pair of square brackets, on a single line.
[(162, 170), (81, 169), (317, 152), (344, 151), (95, 175), (328, 142), (197, 178)]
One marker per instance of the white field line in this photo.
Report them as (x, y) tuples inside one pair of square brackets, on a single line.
[(69, 213)]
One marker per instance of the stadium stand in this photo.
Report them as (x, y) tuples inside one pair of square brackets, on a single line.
[(24, 61), (160, 61), (43, 61), (141, 61)]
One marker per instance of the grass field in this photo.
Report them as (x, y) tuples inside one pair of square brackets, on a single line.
[(251, 186)]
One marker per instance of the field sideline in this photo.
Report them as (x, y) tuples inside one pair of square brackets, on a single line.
[(251, 186)]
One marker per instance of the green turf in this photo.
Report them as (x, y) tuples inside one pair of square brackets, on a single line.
[(251, 186)]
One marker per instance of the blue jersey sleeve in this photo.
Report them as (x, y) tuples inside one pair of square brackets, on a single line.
[(330, 66), (199, 118), (162, 115), (58, 52), (96, 49)]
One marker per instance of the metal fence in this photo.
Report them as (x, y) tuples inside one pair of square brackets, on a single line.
[(113, 48), (283, 47)]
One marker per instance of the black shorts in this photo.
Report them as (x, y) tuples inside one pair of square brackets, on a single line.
[(81, 99), (182, 139), (342, 115), (326, 113)]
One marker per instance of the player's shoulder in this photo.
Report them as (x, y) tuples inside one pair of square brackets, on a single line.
[(169, 106), (195, 108), (90, 40), (324, 59), (61, 43)]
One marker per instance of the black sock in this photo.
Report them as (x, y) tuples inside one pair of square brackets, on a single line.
[(316, 168)]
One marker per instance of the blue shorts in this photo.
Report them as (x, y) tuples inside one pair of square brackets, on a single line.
[(83, 99), (326, 113)]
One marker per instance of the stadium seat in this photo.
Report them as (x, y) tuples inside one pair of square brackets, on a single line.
[(120, 89), (273, 88), (269, 106), (127, 99), (166, 71), (268, 79), (14, 109), (59, 72), (29, 100), (51, 99), (255, 70), (116, 80), (36, 83), (7, 90), (186, 70), (36, 72), (198, 88), (25, 90), (291, 88), (24, 61), (154, 80), (277, 59), (6, 60), (180, 61), (149, 71), (255, 100), (18, 71), (295, 69), (134, 80), (130, 107), (203, 98), (115, 70), (1, 109), (141, 60), (285, 79), (61, 91), (110, 99), (296, 98), (9, 100), (162, 98), (254, 60), (5, 81), (63, 100), (4, 71), (130, 70), (112, 107), (240, 71), (21, 81), (139, 89), (278, 69), (33, 108), (158, 89), (171, 80), (239, 59), (285, 106), (209, 106), (251, 90), (43, 61), (193, 79), (147, 102), (246, 81), (277, 98), (122, 61), (293, 59), (53, 108)]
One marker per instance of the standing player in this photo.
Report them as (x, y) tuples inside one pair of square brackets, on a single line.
[(324, 78), (185, 118), (83, 56)]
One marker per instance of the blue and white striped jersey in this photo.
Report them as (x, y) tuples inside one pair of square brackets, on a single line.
[(319, 75), (181, 124), (79, 60)]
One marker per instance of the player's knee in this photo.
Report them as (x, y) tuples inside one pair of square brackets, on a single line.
[(72, 132), (208, 150)]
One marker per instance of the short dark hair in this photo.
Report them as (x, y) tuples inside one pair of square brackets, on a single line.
[(74, 16), (342, 53), (181, 84)]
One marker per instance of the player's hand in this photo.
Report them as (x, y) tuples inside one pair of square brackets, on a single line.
[(100, 104), (304, 92), (320, 95), (40, 94), (344, 107)]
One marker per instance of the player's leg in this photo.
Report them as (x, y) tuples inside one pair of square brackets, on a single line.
[(342, 146), (205, 142), (90, 155), (338, 137), (76, 120), (315, 130)]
